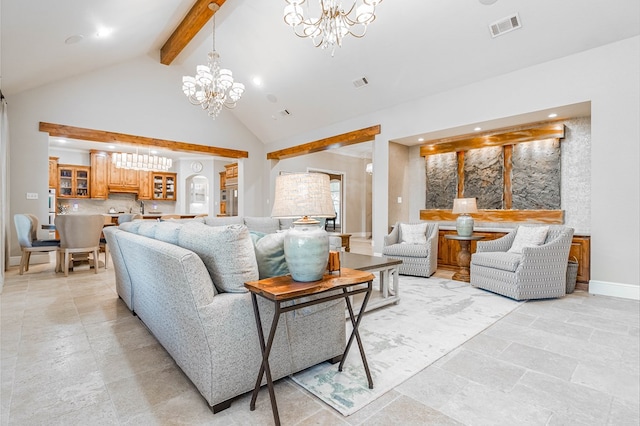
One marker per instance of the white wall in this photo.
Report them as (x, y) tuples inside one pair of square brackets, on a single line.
[(606, 76), (139, 97)]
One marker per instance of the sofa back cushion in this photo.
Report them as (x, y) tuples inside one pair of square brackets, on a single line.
[(148, 228), (221, 221), (227, 252), (266, 225), (168, 231), (131, 226), (269, 250)]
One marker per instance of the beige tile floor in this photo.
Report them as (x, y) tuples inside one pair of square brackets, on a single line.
[(72, 354)]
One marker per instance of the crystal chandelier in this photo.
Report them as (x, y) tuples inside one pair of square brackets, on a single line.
[(333, 23), (147, 162), (212, 87)]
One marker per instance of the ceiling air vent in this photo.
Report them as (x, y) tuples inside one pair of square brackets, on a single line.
[(505, 25), (361, 82), (284, 113)]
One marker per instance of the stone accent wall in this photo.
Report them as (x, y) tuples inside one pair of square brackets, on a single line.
[(535, 175), (442, 180), (483, 176)]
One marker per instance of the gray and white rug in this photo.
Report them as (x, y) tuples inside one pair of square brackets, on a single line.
[(434, 317)]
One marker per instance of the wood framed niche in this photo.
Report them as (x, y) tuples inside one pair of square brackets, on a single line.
[(504, 140)]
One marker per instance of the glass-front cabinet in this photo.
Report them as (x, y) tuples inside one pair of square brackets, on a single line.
[(164, 186), (73, 181)]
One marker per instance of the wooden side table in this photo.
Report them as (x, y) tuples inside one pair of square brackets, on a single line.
[(283, 289), (464, 255)]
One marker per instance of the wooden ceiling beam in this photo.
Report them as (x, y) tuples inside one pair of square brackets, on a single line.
[(192, 23), (61, 130), (345, 139), (510, 136)]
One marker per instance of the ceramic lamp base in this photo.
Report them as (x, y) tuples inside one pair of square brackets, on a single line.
[(306, 250), (464, 225)]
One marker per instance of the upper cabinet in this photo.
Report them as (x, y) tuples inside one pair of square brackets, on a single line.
[(164, 186), (99, 167), (73, 181), (53, 172), (231, 171)]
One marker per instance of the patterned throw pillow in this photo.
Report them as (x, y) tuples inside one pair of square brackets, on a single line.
[(415, 233), (528, 236), (227, 252)]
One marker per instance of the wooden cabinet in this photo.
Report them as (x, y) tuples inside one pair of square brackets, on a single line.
[(164, 186), (580, 251), (231, 170), (121, 179), (73, 181), (99, 171), (53, 172), (144, 185)]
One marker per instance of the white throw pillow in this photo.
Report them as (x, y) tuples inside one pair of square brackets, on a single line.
[(528, 236), (413, 233)]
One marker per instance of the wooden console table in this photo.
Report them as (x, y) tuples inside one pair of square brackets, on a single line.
[(283, 289)]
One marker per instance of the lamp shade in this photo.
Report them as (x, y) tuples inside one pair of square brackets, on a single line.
[(302, 194), (464, 206)]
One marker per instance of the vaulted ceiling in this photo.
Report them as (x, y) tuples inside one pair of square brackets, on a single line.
[(414, 48)]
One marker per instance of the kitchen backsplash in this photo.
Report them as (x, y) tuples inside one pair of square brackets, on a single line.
[(119, 202)]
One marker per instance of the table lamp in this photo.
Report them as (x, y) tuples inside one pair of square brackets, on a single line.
[(463, 207), (306, 245)]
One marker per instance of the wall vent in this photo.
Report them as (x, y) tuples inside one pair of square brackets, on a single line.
[(505, 25), (361, 82)]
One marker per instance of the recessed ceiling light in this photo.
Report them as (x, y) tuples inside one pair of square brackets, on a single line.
[(104, 32), (257, 81), (76, 38), (477, 129), (111, 146), (420, 139), (553, 115), (153, 151), (272, 98)]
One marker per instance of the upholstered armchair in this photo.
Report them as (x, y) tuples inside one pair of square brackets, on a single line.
[(27, 229), (529, 262), (416, 244)]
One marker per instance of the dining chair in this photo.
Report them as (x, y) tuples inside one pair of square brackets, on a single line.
[(26, 229), (128, 217), (79, 233)]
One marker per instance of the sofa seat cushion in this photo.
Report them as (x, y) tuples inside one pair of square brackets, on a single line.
[(504, 261), (269, 250), (227, 252), (406, 250)]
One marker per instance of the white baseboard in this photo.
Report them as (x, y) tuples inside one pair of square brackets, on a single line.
[(35, 259), (604, 288)]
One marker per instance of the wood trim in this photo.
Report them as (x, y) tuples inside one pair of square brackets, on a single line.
[(191, 24), (345, 139), (507, 195), (510, 137), (460, 158), (521, 216), (61, 130)]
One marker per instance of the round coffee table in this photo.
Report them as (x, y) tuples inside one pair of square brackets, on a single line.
[(464, 255)]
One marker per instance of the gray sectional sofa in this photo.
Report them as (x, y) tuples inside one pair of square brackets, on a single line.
[(185, 281)]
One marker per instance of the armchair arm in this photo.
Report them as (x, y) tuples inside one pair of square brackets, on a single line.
[(553, 254), (499, 244), (393, 236)]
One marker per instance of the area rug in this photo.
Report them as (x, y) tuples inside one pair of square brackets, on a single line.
[(434, 317)]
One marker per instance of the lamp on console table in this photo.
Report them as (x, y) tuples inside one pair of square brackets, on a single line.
[(306, 245), (463, 207)]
